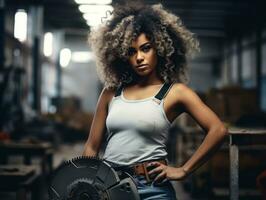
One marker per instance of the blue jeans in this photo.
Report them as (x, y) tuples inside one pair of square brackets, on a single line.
[(158, 191)]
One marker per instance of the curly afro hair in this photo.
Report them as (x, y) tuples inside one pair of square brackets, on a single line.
[(111, 41)]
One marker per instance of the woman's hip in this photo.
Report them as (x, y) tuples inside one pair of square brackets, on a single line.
[(153, 190)]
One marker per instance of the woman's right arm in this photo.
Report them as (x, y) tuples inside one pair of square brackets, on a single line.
[(98, 126)]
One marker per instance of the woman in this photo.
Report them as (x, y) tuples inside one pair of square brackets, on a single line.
[(141, 56)]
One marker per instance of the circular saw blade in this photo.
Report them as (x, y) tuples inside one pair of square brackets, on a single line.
[(94, 170)]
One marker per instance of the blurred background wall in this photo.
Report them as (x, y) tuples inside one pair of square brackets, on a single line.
[(49, 87)]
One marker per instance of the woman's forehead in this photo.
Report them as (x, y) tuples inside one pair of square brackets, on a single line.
[(141, 39)]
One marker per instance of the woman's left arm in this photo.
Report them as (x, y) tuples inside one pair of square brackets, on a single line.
[(208, 120)]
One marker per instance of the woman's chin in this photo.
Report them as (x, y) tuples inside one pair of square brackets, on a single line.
[(143, 72)]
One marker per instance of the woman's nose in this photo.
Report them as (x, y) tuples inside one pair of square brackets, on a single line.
[(139, 58)]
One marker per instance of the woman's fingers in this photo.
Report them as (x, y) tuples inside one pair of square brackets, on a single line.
[(159, 171), (156, 170), (160, 176), (154, 163)]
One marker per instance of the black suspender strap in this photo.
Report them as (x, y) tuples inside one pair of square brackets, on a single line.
[(118, 91), (163, 91)]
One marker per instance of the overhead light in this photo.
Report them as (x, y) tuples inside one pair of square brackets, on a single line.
[(82, 56), (93, 23), (98, 2), (90, 16), (65, 57), (96, 18), (95, 8), (93, 16), (20, 27), (48, 44)]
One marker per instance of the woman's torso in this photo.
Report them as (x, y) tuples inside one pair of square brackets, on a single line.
[(138, 125)]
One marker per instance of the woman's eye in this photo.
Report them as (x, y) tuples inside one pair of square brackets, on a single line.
[(146, 48)]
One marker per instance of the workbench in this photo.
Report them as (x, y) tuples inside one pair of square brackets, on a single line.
[(42, 150), (242, 139)]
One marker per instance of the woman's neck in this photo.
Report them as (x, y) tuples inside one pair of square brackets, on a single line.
[(147, 82)]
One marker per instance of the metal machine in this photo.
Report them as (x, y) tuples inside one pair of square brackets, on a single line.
[(89, 178)]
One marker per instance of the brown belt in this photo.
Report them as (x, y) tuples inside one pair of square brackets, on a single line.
[(141, 169)]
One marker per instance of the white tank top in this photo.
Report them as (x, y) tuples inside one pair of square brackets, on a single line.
[(137, 129)]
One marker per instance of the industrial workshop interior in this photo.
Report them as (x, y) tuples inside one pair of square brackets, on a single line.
[(50, 87)]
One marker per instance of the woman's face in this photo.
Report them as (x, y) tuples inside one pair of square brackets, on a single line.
[(142, 56)]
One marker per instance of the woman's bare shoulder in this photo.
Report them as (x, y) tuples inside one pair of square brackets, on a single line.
[(107, 94), (108, 91), (180, 87), (180, 91)]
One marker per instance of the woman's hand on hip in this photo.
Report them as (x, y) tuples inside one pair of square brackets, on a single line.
[(165, 172)]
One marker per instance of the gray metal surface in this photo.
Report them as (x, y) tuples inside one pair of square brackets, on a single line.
[(234, 169), (241, 139)]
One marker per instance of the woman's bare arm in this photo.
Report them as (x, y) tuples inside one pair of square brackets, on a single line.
[(98, 126), (189, 102), (208, 120)]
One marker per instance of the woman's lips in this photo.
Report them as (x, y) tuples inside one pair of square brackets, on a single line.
[(141, 66)]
